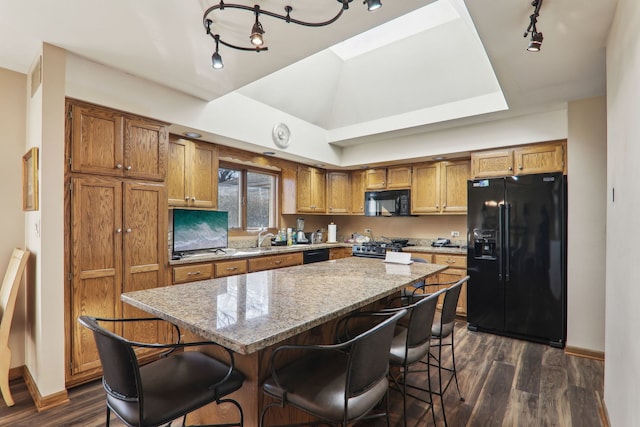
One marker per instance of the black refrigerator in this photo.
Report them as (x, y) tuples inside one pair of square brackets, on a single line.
[(516, 257)]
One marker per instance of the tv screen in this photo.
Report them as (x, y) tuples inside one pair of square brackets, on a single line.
[(199, 230)]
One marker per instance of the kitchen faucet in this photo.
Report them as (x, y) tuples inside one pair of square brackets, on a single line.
[(261, 237)]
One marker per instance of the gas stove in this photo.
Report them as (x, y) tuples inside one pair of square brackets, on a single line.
[(376, 249)]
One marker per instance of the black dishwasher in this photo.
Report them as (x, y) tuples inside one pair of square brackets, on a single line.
[(315, 255)]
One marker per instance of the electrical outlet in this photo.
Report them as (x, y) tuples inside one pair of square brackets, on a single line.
[(455, 234), (367, 230)]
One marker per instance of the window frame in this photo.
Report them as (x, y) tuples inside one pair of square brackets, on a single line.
[(244, 169)]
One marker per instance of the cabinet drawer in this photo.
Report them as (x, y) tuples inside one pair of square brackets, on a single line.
[(230, 268), (453, 261), (192, 273), (275, 261)]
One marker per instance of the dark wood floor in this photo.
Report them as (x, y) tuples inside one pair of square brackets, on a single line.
[(505, 382)]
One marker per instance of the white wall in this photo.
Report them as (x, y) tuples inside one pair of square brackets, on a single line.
[(622, 346), (13, 87), (45, 229), (587, 171)]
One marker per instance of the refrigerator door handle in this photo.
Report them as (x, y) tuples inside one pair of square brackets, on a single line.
[(507, 238), (500, 241)]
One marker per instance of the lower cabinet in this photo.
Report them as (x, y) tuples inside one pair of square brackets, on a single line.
[(275, 261), (337, 253), (456, 271)]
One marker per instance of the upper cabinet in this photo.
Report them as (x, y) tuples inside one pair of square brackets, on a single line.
[(388, 178), (310, 190), (108, 142), (357, 191), (339, 192), (192, 178), (529, 159), (440, 187)]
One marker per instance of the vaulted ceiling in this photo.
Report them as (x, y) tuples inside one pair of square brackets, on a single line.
[(413, 64)]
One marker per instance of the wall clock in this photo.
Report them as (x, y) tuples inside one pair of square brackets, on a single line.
[(281, 135)]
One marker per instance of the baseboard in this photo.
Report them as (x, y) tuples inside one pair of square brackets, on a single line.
[(15, 373), (602, 409), (583, 352), (47, 402)]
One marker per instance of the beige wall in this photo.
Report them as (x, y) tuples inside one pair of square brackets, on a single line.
[(13, 87), (622, 375), (586, 223), (418, 227)]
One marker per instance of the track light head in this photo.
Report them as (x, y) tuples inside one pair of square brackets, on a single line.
[(536, 42), (373, 4)]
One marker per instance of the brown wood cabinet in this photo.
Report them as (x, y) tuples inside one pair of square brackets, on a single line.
[(388, 178), (192, 272), (117, 244), (342, 252), (275, 261), (536, 158), (456, 271), (108, 142), (192, 178), (230, 268), (453, 186), (440, 187), (338, 192), (310, 190), (357, 191)]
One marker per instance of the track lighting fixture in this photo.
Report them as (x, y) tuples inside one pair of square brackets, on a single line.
[(216, 59), (257, 31), (536, 38)]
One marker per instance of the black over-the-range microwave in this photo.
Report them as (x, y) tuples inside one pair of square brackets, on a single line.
[(387, 203)]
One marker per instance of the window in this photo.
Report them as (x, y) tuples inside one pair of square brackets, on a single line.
[(249, 196)]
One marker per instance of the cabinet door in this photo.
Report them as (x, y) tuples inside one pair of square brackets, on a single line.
[(96, 140), (399, 177), (144, 250), (453, 186), (453, 275), (376, 179), (303, 190), (96, 263), (425, 195), (540, 158), (489, 164), (357, 192), (338, 192), (310, 190), (145, 149), (177, 184), (204, 176)]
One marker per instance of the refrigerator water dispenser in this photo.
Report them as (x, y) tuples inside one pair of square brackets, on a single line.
[(484, 243)]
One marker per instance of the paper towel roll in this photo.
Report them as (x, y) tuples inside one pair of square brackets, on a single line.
[(331, 237)]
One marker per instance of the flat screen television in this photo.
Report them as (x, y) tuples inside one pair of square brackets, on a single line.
[(195, 230)]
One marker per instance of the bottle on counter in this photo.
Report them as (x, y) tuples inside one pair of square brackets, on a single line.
[(289, 237)]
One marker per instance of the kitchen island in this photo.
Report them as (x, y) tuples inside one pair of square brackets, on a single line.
[(253, 313)]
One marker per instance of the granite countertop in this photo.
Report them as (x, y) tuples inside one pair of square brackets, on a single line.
[(276, 250), (437, 250), (231, 253), (249, 312)]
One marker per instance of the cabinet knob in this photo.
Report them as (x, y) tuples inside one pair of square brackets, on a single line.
[(118, 166), (520, 167), (232, 268), (193, 198), (128, 167), (510, 168), (186, 198), (128, 230), (118, 230)]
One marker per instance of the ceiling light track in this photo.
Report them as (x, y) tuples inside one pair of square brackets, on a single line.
[(257, 31), (536, 37)]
